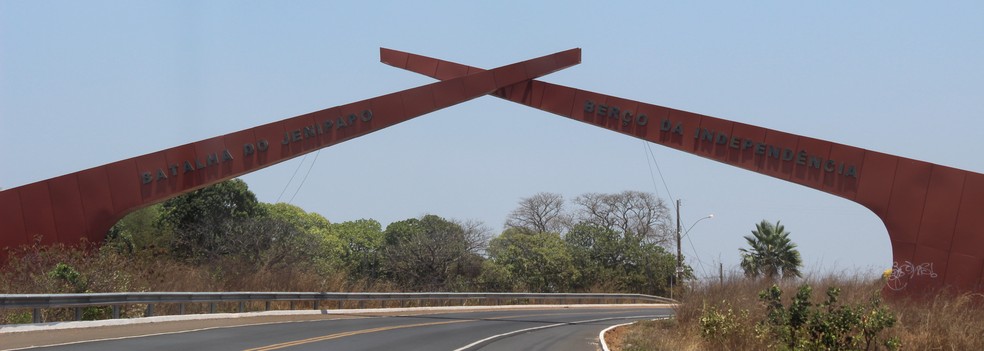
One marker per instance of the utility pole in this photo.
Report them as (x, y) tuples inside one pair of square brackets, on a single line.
[(679, 266)]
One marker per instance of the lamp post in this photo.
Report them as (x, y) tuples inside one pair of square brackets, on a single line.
[(679, 267)]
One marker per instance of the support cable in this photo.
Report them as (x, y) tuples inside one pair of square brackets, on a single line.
[(315, 160), (291, 179)]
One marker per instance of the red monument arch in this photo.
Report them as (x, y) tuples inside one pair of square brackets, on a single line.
[(933, 213)]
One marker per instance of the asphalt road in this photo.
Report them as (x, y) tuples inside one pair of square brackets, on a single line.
[(568, 329)]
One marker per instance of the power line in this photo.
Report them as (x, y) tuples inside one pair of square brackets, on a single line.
[(652, 157), (315, 160), (291, 178)]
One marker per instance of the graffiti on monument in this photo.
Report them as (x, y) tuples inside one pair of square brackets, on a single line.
[(902, 273)]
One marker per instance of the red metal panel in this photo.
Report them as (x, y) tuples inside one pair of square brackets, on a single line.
[(522, 92), (242, 145), (930, 266), (422, 64), (542, 65), (844, 157), (153, 172), (450, 94), (180, 168), (690, 122), (124, 183), (97, 202), (272, 135), (418, 101), (908, 198), (875, 184), (564, 59), (479, 83), (209, 161), (648, 121), (751, 151), (327, 121), (558, 100), (512, 73), (622, 115), (968, 235), (964, 271), (12, 232), (536, 94), (591, 108), (939, 218), (67, 209), (305, 135), (902, 251), (386, 110), (719, 132), (39, 221), (394, 58), (780, 154), (361, 113), (447, 70), (810, 166)]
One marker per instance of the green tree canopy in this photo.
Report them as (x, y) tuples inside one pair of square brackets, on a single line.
[(771, 253), (362, 244), (430, 252), (611, 261), (537, 262), (202, 221)]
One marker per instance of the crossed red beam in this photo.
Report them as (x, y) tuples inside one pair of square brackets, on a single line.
[(932, 212), (86, 204)]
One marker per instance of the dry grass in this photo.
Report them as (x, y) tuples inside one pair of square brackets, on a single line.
[(944, 322), (29, 271)]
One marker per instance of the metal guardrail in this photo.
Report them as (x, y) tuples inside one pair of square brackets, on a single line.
[(37, 302)]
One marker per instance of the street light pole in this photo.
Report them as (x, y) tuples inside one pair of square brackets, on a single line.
[(679, 265), (679, 236)]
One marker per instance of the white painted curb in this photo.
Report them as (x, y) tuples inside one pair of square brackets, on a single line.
[(601, 335)]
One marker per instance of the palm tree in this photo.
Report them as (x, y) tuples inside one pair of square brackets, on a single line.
[(772, 254)]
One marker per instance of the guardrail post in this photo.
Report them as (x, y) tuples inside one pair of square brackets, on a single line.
[(211, 307), (150, 310), (36, 315), (317, 304), (267, 306), (242, 307), (292, 305), (78, 313), (362, 304), (116, 311), (181, 308)]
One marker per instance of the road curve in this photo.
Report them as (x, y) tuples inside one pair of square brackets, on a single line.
[(557, 328)]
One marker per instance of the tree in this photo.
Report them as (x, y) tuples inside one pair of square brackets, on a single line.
[(638, 215), (611, 261), (431, 252), (771, 253), (137, 232), (362, 244), (201, 221), (540, 213), (313, 234), (537, 262)]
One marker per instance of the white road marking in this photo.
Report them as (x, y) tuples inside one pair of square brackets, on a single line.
[(466, 347)]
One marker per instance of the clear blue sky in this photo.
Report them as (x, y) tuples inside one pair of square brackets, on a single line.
[(88, 83)]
